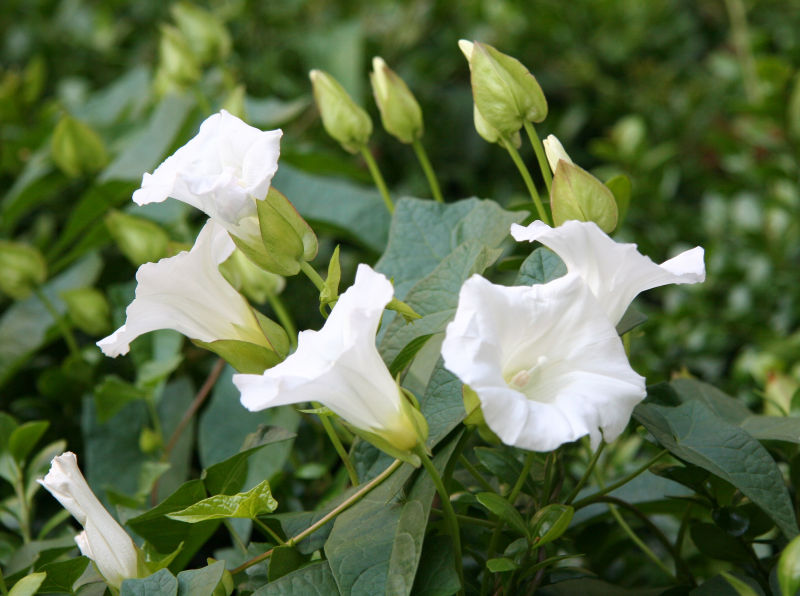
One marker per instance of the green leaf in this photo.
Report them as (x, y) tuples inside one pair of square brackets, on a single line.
[(249, 505), (442, 403), (742, 589), (589, 586), (313, 580), (24, 438), (161, 583), (692, 432), (504, 510), (541, 266), (436, 575), (76, 148), (550, 522), (112, 394), (789, 568), (200, 582), (407, 354), (62, 575), (620, 187), (716, 543), (630, 320), (501, 564), (28, 585), (284, 559)]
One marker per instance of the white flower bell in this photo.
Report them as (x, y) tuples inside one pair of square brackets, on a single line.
[(615, 272), (544, 360), (103, 540)]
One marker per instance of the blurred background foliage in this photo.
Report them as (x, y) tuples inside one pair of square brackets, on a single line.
[(698, 102)]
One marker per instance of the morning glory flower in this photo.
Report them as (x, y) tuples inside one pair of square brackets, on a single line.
[(340, 367), (544, 360), (187, 293), (222, 171), (103, 540), (615, 272)]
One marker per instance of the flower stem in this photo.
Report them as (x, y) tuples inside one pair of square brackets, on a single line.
[(639, 542), (526, 176), (538, 149), (312, 274), (378, 178), (586, 474), (422, 156), (268, 531), (447, 508), (24, 510), (526, 468), (354, 498), (591, 498), (63, 328), (279, 308), (337, 444), (476, 474)]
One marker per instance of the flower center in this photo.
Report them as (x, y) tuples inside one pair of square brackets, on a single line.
[(522, 379)]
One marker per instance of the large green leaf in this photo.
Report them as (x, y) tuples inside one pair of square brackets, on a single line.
[(375, 546), (442, 404), (541, 266), (313, 580), (436, 575), (351, 211), (161, 583), (694, 433), (248, 505), (200, 582)]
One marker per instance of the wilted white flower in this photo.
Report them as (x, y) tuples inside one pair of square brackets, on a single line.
[(340, 367), (103, 540), (615, 272), (187, 293), (222, 171), (544, 360)]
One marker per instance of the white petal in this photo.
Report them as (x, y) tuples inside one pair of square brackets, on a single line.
[(555, 152), (615, 272), (545, 362), (338, 365), (187, 293)]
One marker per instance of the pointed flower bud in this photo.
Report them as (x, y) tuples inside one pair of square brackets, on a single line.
[(505, 92), (22, 269), (88, 309), (76, 148), (342, 118), (555, 152), (139, 239), (103, 540), (400, 112)]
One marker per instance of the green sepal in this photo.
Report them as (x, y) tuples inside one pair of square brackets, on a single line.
[(403, 309), (385, 446), (472, 406), (620, 186), (576, 194), (244, 356), (323, 411), (330, 291), (275, 334), (22, 269)]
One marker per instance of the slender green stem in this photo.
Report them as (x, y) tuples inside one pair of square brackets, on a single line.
[(24, 510), (279, 308), (456, 455), (235, 536), (447, 507), (526, 468), (312, 274), (3, 589), (63, 328), (538, 149), (591, 498), (378, 178), (467, 519), (476, 474), (526, 176), (422, 156), (337, 444), (354, 498), (639, 542), (586, 474), (269, 531)]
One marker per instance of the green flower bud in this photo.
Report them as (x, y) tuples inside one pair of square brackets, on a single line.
[(576, 194), (204, 33), (178, 65), (489, 133), (76, 148), (88, 309), (505, 92), (400, 112), (250, 279), (22, 269), (139, 239), (341, 117)]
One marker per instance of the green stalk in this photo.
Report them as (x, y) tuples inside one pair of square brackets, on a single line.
[(526, 176), (312, 274), (526, 468), (538, 149), (63, 328), (353, 499), (476, 474), (586, 474), (378, 178), (269, 531), (24, 510), (279, 308), (591, 498), (639, 542), (337, 444), (422, 156), (447, 508)]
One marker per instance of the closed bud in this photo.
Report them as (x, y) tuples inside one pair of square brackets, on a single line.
[(555, 152), (22, 269), (204, 33), (88, 309), (341, 117), (400, 112), (489, 133), (139, 239), (576, 194), (505, 92), (76, 148)]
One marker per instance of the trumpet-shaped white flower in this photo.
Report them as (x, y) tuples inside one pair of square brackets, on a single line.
[(187, 293), (340, 367), (544, 360), (103, 540), (222, 171), (615, 272)]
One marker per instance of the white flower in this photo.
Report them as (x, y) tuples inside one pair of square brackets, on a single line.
[(544, 360), (340, 367), (103, 540), (187, 293), (555, 152), (222, 171), (615, 272)]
